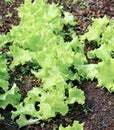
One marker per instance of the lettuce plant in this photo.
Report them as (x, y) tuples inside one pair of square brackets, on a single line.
[(76, 126), (102, 31), (7, 96), (39, 39)]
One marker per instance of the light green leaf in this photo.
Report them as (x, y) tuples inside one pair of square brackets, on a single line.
[(88, 71), (76, 95), (46, 110), (76, 126), (103, 52), (96, 29), (22, 121), (68, 17), (4, 76), (3, 40), (20, 56), (105, 74), (12, 97)]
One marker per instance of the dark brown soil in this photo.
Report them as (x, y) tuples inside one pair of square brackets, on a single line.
[(100, 105), (98, 111)]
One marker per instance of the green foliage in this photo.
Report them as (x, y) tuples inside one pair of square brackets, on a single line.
[(1, 117), (3, 40), (97, 28), (12, 97), (39, 39), (76, 95), (76, 126), (83, 5), (4, 76), (105, 74), (9, 14), (23, 56), (102, 31), (7, 96), (49, 103), (9, 0)]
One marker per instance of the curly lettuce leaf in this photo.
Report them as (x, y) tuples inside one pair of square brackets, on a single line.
[(11, 96), (102, 31), (105, 74), (4, 76), (20, 56), (75, 126), (49, 103), (69, 19), (3, 40), (76, 95), (40, 104), (22, 121), (96, 29), (39, 38), (103, 52)]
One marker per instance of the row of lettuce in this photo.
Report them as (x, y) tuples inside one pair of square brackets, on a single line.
[(39, 38)]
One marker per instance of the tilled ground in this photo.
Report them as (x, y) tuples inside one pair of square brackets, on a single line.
[(98, 112)]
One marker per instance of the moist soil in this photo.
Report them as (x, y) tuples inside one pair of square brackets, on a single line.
[(98, 111)]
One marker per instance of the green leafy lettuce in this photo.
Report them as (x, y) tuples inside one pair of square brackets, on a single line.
[(39, 38), (76, 126), (11, 97), (102, 31), (4, 76)]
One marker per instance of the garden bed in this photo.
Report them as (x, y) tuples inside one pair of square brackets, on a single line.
[(98, 111)]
